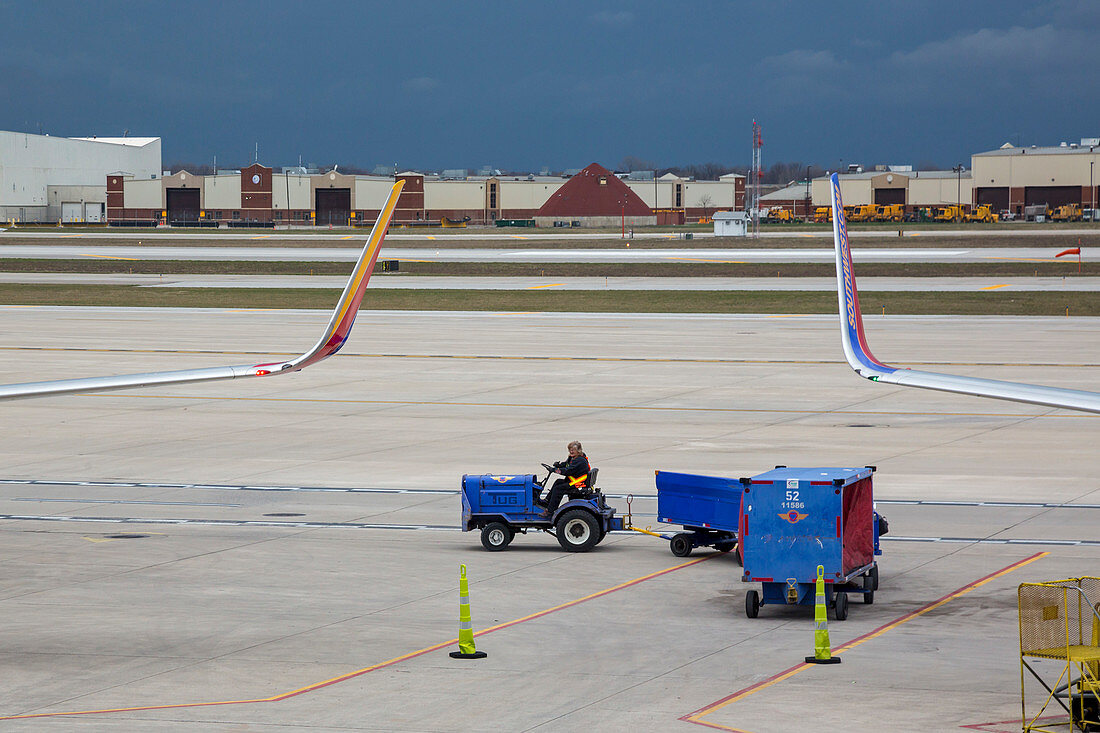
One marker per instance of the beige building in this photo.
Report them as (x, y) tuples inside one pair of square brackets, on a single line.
[(913, 189)]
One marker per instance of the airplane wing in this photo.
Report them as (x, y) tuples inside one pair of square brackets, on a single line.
[(339, 326), (866, 365)]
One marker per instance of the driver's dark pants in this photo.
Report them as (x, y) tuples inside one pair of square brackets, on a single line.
[(557, 491)]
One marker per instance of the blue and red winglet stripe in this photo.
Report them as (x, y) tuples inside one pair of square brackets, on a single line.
[(849, 294)]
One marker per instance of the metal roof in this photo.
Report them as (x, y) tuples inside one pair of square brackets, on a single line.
[(1046, 150), (135, 142)]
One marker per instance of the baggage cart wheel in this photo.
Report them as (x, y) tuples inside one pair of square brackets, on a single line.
[(495, 536), (680, 544), (577, 530), (869, 597), (840, 606), (873, 577), (752, 604)]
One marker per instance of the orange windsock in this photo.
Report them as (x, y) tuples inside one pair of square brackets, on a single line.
[(1073, 251)]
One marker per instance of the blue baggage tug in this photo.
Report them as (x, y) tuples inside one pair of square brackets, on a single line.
[(501, 506), (796, 519)]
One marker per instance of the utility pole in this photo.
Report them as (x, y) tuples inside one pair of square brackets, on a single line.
[(958, 194), (808, 198)]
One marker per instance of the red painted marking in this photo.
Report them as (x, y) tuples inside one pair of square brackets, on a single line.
[(366, 670), (762, 580), (821, 483), (838, 526), (895, 622)]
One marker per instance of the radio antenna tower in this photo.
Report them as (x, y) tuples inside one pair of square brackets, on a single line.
[(755, 178)]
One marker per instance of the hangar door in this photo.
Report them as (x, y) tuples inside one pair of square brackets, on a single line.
[(333, 206), (1052, 196), (183, 204), (995, 196), (71, 211), (884, 196)]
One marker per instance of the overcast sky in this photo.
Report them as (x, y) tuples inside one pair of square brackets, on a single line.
[(522, 85)]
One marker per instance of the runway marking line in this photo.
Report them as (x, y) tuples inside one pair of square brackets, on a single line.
[(697, 259), (506, 357), (551, 285), (380, 665), (640, 408), (108, 257), (697, 716), (994, 287)]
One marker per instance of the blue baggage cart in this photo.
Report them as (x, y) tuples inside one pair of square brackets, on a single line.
[(707, 507), (796, 519)]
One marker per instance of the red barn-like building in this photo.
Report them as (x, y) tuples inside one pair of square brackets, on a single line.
[(596, 198)]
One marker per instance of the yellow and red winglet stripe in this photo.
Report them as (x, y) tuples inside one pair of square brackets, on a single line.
[(344, 316)]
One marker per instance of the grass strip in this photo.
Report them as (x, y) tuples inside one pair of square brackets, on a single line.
[(1067, 268), (627, 301)]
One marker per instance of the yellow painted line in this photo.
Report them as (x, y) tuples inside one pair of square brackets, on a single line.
[(698, 715), (431, 236), (359, 672), (517, 236), (106, 257), (350, 236), (66, 236), (698, 259), (632, 408), (504, 357), (551, 285), (994, 287), (1023, 259), (262, 236)]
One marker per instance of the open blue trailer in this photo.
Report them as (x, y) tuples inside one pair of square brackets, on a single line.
[(796, 519), (707, 507)]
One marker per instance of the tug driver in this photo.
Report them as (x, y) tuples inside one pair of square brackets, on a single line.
[(575, 475)]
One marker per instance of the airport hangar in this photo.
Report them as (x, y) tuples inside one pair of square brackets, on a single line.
[(1007, 179), (44, 178), (53, 179)]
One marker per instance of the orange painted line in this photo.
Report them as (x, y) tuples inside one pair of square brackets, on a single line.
[(696, 717), (994, 287), (380, 665)]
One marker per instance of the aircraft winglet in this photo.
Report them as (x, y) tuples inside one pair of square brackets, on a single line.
[(861, 359), (334, 336)]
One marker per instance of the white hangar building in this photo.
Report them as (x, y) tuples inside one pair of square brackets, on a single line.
[(45, 178)]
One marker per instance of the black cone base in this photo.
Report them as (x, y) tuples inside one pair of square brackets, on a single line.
[(476, 655), (815, 660)]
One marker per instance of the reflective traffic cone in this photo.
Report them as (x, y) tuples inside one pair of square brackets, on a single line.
[(466, 648), (822, 647)]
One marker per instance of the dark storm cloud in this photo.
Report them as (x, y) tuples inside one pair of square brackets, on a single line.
[(522, 85)]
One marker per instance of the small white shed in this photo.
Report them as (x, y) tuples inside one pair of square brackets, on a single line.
[(731, 223)]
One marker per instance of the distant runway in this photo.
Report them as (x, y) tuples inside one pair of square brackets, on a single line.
[(424, 282), (625, 254)]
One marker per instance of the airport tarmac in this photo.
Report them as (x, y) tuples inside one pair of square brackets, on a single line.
[(623, 254), (150, 578), (432, 282)]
